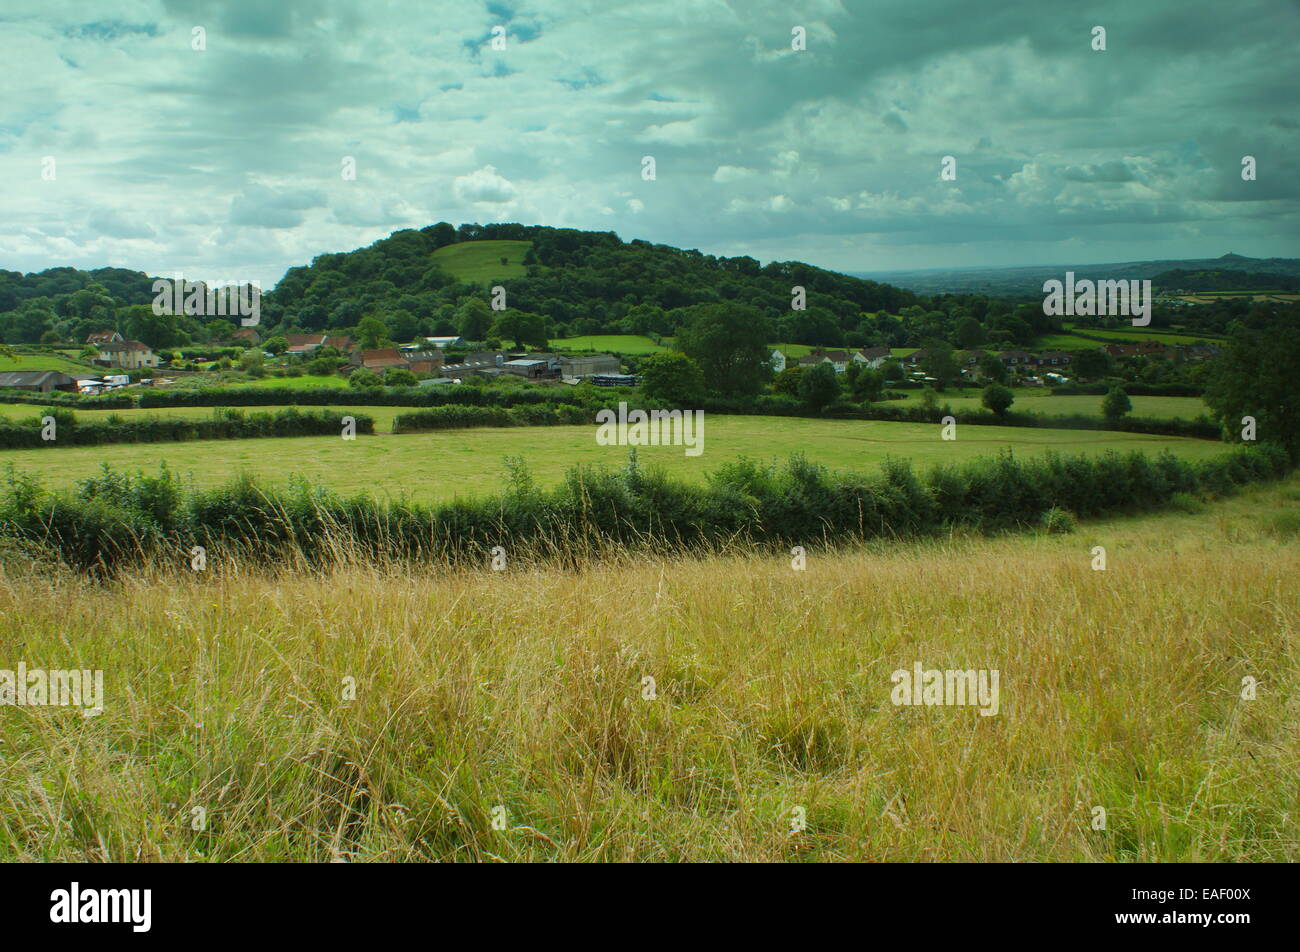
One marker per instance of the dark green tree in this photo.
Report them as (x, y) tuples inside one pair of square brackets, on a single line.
[(819, 386), (729, 342), (997, 398), (1256, 376), (672, 380), (1116, 404)]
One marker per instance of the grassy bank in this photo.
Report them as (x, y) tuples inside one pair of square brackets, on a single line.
[(524, 690)]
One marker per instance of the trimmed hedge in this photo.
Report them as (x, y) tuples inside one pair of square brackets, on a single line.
[(224, 425), (114, 520)]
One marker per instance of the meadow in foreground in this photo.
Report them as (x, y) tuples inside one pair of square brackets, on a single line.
[(520, 697)]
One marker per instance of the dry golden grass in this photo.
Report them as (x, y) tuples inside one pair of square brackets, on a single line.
[(523, 689)]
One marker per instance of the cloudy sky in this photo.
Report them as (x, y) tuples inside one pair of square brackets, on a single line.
[(121, 144)]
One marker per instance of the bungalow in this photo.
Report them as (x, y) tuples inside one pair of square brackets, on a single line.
[(873, 357), (103, 337), (38, 381), (126, 354), (839, 359)]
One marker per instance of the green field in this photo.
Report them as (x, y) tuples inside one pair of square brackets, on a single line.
[(305, 382), (47, 362), (383, 416), (1039, 400), (1137, 336), (479, 262), (442, 465), (617, 343)]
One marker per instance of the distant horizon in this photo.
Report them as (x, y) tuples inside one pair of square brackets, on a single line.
[(194, 276)]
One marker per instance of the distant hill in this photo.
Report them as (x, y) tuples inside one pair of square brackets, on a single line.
[(1029, 281), (580, 282), (1223, 279)]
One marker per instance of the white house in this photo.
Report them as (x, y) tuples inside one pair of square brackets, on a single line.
[(873, 357)]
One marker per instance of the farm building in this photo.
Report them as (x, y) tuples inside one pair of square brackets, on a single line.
[(38, 381), (587, 365)]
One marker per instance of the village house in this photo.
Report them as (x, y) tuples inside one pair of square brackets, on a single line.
[(872, 357), (839, 359), (38, 381), (1142, 349), (103, 337), (1017, 358), (1053, 358), (126, 354)]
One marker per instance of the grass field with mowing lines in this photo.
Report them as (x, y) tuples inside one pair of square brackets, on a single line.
[(445, 464)]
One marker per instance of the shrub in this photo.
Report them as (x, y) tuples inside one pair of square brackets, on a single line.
[(1059, 521)]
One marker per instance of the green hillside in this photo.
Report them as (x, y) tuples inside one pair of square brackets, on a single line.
[(479, 262), (45, 362)]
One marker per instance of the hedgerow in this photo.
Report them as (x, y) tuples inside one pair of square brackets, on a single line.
[(115, 520), (225, 424)]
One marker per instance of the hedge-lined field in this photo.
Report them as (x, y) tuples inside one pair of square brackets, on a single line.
[(116, 520), (1040, 401), (440, 465)]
